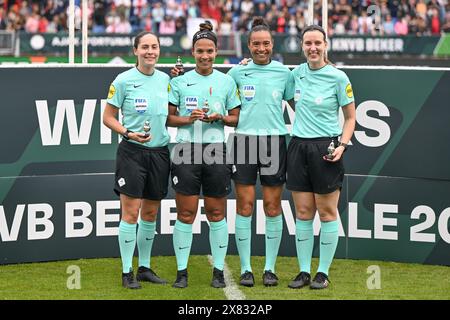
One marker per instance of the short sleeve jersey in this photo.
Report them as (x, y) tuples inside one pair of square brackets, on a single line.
[(191, 91), (262, 88), (142, 98), (318, 95)]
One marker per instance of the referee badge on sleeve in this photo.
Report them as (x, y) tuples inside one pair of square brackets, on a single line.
[(111, 92), (349, 90)]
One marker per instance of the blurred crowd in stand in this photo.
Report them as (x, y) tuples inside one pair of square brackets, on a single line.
[(345, 17)]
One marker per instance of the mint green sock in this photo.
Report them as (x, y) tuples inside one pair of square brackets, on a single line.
[(127, 243), (274, 230), (304, 243), (218, 240), (243, 237), (182, 242), (145, 236), (329, 237)]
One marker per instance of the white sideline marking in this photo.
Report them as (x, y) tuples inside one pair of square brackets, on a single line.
[(232, 291)]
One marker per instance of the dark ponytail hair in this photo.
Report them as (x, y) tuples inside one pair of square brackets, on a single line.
[(315, 27), (205, 32), (259, 24), (138, 38)]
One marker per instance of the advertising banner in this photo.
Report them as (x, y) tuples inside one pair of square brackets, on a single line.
[(57, 170)]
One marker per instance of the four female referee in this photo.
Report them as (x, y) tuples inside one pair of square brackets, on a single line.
[(201, 102)]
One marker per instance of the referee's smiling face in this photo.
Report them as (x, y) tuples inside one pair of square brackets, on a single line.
[(205, 53), (314, 47), (261, 46), (147, 51)]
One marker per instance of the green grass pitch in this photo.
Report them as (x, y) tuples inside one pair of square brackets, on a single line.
[(101, 279)]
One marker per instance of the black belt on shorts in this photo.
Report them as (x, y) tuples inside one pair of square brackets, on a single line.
[(133, 146), (314, 139)]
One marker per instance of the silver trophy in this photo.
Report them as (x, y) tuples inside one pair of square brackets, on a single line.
[(205, 108), (330, 150), (146, 128), (179, 66)]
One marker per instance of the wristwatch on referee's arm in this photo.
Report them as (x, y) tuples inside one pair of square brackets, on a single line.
[(125, 134), (345, 145)]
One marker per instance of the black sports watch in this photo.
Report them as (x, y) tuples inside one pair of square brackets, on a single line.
[(125, 135), (345, 145)]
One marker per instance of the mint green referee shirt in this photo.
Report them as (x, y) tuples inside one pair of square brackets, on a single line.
[(262, 89), (190, 91), (141, 97), (318, 95)]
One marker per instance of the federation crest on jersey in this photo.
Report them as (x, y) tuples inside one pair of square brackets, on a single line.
[(318, 100), (140, 105), (191, 103), (276, 95), (249, 91)]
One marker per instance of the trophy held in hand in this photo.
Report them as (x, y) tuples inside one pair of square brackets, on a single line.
[(330, 150)]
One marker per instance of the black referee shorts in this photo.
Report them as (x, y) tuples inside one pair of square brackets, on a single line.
[(258, 155), (142, 172), (201, 167), (307, 171)]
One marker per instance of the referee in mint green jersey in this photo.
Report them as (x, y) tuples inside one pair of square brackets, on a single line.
[(259, 148), (201, 102), (143, 159), (315, 166)]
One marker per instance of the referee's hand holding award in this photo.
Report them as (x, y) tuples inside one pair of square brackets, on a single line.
[(335, 154), (196, 114), (140, 137), (213, 117)]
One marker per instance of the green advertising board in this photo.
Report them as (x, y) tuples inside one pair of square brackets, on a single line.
[(56, 44), (57, 170)]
